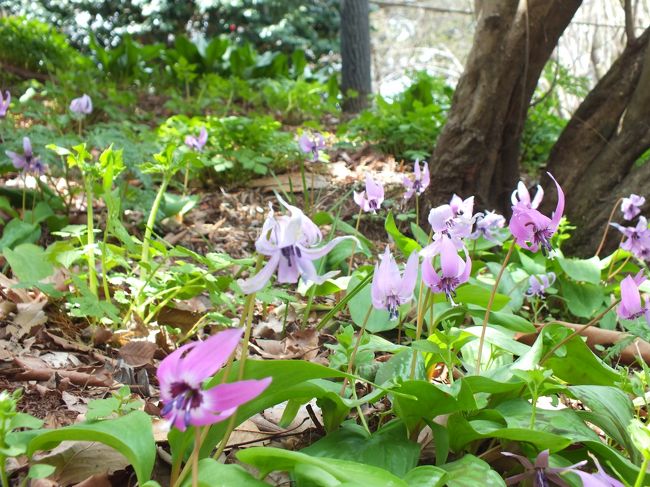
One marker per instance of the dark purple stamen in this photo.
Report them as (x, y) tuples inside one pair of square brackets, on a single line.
[(540, 478), (289, 252), (185, 398), (372, 204), (392, 305)]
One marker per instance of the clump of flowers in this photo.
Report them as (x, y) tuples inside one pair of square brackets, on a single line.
[(182, 375), (82, 106), (538, 285), (311, 144), (487, 225), (27, 162), (197, 143), (631, 206), (371, 199), (454, 271), (291, 243), (389, 288)]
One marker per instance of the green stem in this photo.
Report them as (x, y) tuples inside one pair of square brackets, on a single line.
[(489, 307), (3, 473), (534, 409), (353, 356), (356, 232), (642, 471), (144, 258), (305, 192), (90, 224), (107, 294), (417, 209)]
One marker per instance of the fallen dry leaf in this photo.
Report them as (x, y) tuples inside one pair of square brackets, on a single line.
[(28, 316), (137, 353)]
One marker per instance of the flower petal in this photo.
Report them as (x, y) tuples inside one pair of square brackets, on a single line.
[(207, 357), (259, 280)]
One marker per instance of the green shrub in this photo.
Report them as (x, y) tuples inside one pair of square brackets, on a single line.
[(238, 148), (34, 46), (408, 126)]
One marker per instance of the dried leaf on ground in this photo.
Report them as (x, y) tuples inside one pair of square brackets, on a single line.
[(138, 353)]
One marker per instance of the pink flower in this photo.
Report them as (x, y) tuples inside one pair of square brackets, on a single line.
[(454, 271), (533, 230), (4, 103), (197, 143), (181, 376), (420, 183), (291, 243), (27, 161), (390, 289), (637, 238), (631, 206), (631, 306), (487, 224), (372, 198), (82, 105), (538, 285), (312, 144)]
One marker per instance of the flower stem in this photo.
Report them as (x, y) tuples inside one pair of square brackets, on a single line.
[(3, 472), (90, 252), (417, 209), (611, 215), (311, 197), (195, 457), (577, 332), (305, 191), (642, 471), (353, 356), (356, 231), (619, 268), (489, 307)]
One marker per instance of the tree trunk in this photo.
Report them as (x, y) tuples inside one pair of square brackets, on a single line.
[(594, 157), (355, 54), (478, 149)]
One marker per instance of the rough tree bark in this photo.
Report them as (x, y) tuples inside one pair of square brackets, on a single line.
[(594, 157), (355, 54), (478, 150)]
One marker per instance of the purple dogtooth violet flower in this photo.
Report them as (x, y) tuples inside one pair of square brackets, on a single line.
[(4, 103), (631, 206), (181, 376), (372, 198), (541, 472), (539, 284), (453, 220), (533, 230), (82, 105), (521, 197), (454, 271), (197, 143), (631, 306), (311, 144), (637, 238), (291, 243), (390, 289), (486, 224), (598, 479), (419, 183), (27, 162)]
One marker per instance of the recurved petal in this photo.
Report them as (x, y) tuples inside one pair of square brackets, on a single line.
[(407, 284), (317, 253), (429, 275), (559, 209), (305, 143), (259, 280), (232, 395), (426, 178), (449, 260), (630, 298), (208, 356), (539, 195)]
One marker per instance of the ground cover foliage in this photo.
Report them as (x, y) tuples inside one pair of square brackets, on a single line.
[(327, 340)]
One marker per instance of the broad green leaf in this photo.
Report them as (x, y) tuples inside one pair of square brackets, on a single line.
[(267, 460), (471, 471), (587, 270), (379, 320), (479, 296), (388, 448), (29, 263), (215, 474), (17, 231), (422, 400), (584, 299), (503, 318), (405, 244), (131, 435), (426, 476)]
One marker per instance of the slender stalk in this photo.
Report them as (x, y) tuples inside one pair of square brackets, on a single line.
[(489, 307), (627, 259), (186, 179), (362, 417), (195, 457), (613, 257), (577, 332), (311, 196), (107, 293), (417, 208), (90, 252), (305, 191), (353, 356), (419, 319), (176, 479), (611, 215), (356, 231), (25, 195), (3, 472), (144, 257), (642, 471)]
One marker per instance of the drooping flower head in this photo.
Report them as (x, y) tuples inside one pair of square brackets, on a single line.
[(533, 230), (27, 161), (372, 198), (454, 220), (539, 284), (540, 472), (454, 271), (291, 243), (390, 289), (631, 306), (487, 225), (521, 197), (4, 103), (631, 206), (82, 106), (181, 376), (197, 143), (311, 144), (637, 238), (420, 181), (598, 479)]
